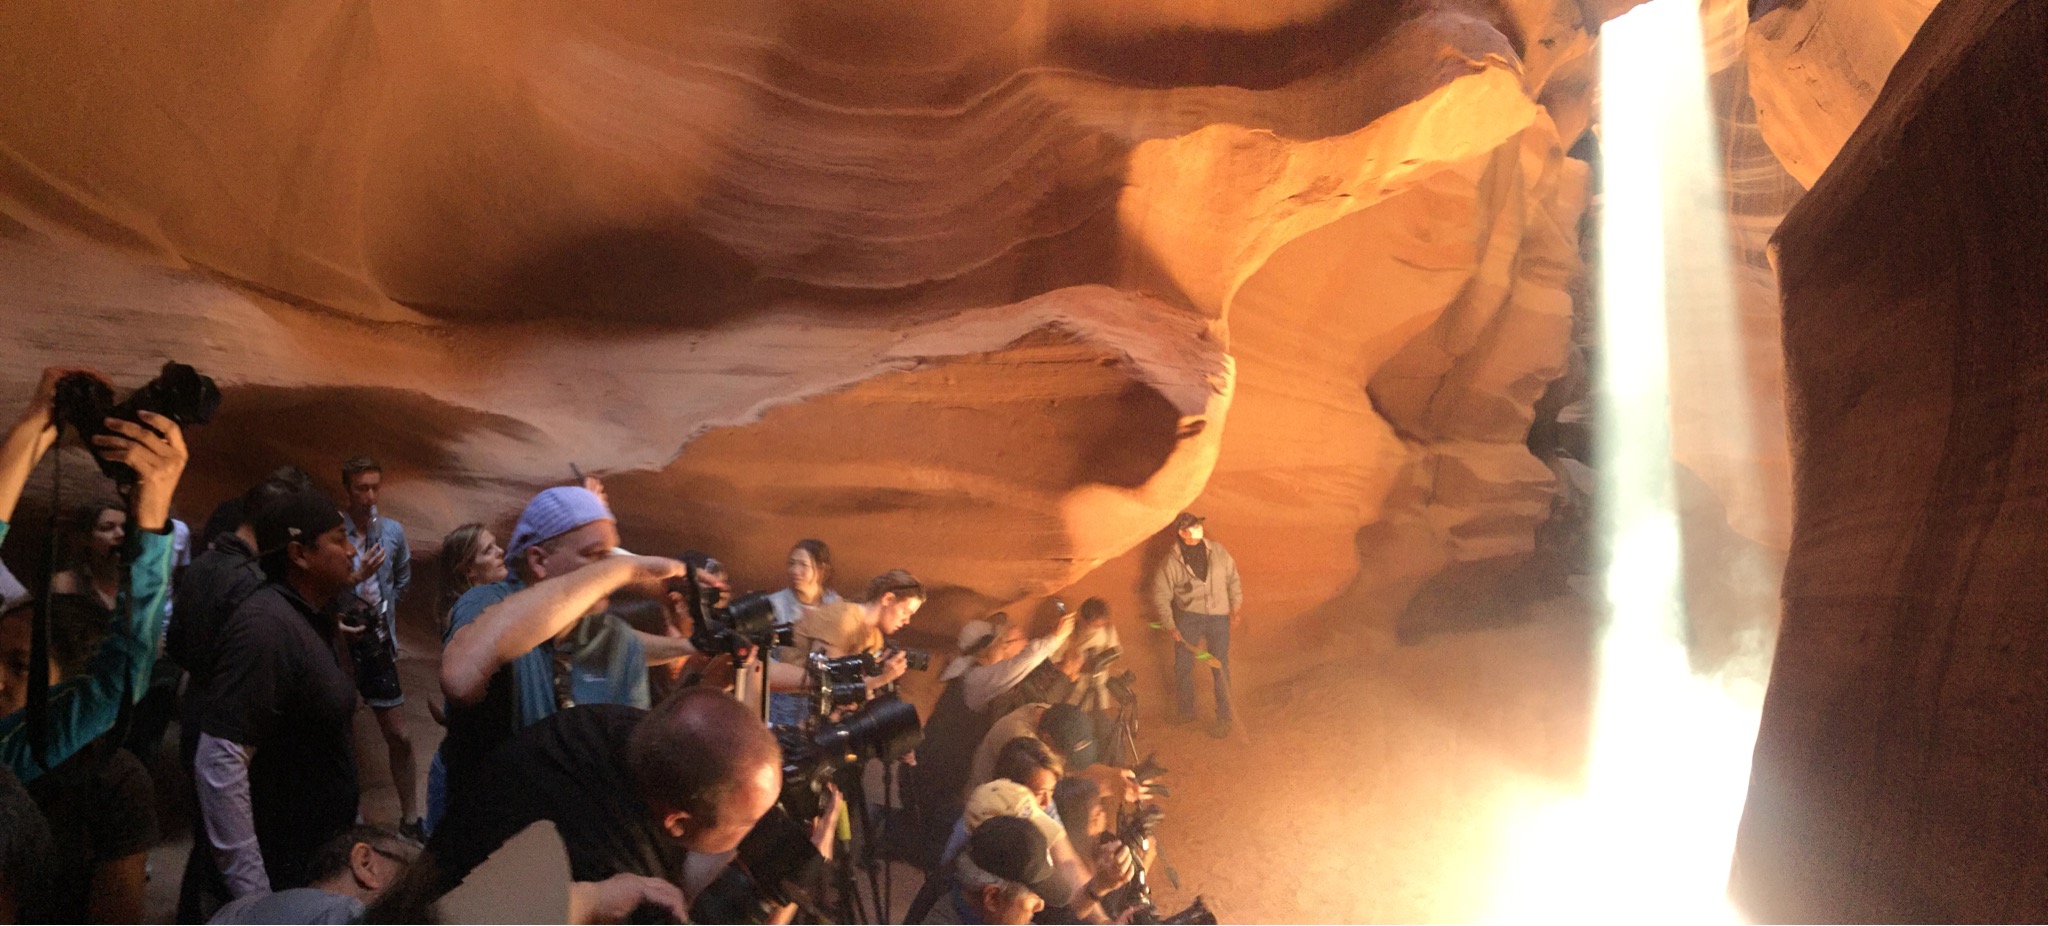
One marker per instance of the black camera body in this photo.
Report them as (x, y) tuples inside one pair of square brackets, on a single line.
[(747, 622), (885, 729), (775, 865), (1102, 659), (179, 393)]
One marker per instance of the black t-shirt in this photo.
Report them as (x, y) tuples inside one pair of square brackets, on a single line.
[(477, 730), (101, 807), (569, 769), (279, 689), (217, 582)]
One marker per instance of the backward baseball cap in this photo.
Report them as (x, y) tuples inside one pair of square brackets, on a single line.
[(551, 514), (1014, 850)]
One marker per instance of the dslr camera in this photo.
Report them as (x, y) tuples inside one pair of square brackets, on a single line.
[(776, 864), (748, 621), (178, 392), (840, 682), (886, 729)]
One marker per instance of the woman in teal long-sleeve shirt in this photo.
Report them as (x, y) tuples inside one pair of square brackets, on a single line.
[(83, 707)]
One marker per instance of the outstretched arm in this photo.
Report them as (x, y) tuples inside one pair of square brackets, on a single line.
[(532, 616), (83, 707), (30, 438), (983, 683)]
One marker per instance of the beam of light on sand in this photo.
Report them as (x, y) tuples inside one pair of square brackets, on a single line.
[(1649, 837)]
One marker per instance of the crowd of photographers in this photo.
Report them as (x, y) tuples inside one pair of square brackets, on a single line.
[(696, 753)]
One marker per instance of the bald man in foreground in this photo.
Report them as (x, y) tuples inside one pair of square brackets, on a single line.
[(631, 792)]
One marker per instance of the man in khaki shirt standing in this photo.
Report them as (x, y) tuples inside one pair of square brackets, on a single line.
[(1195, 593)]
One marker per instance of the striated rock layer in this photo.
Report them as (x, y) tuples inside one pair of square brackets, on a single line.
[(1897, 775), (989, 290), (1816, 66)]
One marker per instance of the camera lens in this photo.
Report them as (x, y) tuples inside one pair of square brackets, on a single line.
[(885, 730)]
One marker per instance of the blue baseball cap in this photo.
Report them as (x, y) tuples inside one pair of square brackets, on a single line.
[(551, 514)]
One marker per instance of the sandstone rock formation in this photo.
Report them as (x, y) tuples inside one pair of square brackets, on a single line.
[(1816, 66), (1897, 774), (989, 290)]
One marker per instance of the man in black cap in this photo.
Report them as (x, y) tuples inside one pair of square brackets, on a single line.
[(1195, 593), (997, 879), (275, 767)]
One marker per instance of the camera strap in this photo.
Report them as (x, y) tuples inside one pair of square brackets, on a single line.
[(38, 708), (39, 630)]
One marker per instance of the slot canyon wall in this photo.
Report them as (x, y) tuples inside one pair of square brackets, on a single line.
[(991, 289), (1898, 771), (988, 289)]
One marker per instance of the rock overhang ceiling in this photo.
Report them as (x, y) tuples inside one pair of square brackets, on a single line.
[(987, 289)]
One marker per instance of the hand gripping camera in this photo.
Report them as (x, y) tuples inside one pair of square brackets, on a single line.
[(179, 393), (749, 621), (776, 863)]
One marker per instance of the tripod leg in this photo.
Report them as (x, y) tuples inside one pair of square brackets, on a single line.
[(927, 896)]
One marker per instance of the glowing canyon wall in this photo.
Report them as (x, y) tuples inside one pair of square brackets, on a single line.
[(1898, 771), (986, 289)]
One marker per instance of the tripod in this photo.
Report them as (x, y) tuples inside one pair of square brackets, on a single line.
[(863, 844)]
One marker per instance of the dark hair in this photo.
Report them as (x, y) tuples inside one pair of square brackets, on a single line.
[(1075, 798), (332, 858), (820, 555), (264, 495), (693, 749), (298, 479), (897, 582), (1094, 608), (458, 550), (84, 519), (1024, 755), (24, 847), (355, 466)]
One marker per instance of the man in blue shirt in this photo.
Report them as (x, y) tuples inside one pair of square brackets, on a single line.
[(541, 640), (383, 570), (83, 707)]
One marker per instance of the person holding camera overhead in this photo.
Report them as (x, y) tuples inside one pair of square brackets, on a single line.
[(85, 706)]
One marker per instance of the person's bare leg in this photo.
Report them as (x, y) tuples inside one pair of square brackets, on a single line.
[(404, 770)]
